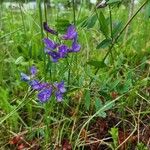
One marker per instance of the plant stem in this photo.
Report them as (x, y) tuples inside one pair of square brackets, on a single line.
[(74, 12), (118, 36), (74, 22), (123, 29), (110, 20), (42, 36), (111, 27)]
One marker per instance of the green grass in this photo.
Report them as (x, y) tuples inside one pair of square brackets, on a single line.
[(115, 92)]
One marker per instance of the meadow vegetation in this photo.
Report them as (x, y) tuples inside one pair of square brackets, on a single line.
[(106, 101)]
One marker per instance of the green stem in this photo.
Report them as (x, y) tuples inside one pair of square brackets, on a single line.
[(74, 12), (42, 36), (118, 36), (74, 22), (123, 29), (110, 20), (111, 27)]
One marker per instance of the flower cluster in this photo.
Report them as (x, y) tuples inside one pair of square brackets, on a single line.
[(44, 89), (56, 50)]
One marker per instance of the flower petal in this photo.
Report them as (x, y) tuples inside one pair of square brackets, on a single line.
[(60, 87), (44, 95), (59, 96), (33, 70), (35, 85), (54, 55), (63, 50), (70, 34), (75, 47), (51, 45), (48, 29)]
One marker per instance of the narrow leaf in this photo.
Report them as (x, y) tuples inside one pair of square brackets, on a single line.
[(104, 44), (97, 64), (103, 24), (113, 1)]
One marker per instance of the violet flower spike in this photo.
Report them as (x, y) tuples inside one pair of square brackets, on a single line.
[(60, 90), (63, 51), (48, 29), (44, 95), (70, 34), (50, 45), (54, 55), (75, 46), (60, 86), (36, 85), (59, 96)]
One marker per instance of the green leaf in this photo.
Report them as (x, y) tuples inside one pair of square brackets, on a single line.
[(147, 10), (104, 44), (97, 64), (116, 28), (87, 99), (110, 106), (82, 22), (114, 134), (89, 22), (113, 1), (114, 84), (19, 60), (103, 24), (99, 105)]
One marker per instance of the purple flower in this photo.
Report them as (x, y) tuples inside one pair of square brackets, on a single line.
[(60, 90), (75, 47), (50, 44), (35, 85), (54, 55), (60, 86), (48, 29), (63, 50), (59, 96), (44, 95), (33, 71), (25, 77), (71, 33)]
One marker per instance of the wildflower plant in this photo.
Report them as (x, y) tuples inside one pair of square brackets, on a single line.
[(55, 51), (59, 50)]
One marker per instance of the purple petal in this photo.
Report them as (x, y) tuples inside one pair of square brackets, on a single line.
[(46, 50), (35, 85), (62, 50), (71, 33), (48, 29), (75, 47), (50, 44), (59, 96), (45, 85), (60, 87), (54, 55), (44, 95), (33, 70), (25, 77)]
